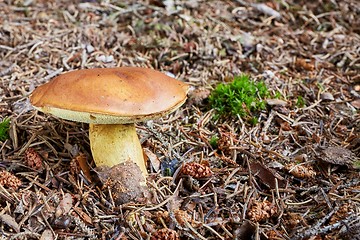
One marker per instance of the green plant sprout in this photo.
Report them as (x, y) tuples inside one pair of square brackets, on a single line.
[(300, 103), (356, 164), (242, 97), (4, 129), (214, 141)]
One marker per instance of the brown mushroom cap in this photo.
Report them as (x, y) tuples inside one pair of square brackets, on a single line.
[(110, 95)]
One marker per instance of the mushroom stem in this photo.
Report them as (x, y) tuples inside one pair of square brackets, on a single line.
[(112, 144)]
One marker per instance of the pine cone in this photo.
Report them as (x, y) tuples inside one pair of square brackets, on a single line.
[(33, 159), (196, 170), (165, 234), (260, 211), (9, 180)]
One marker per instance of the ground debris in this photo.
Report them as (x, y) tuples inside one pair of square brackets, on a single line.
[(64, 206), (123, 188), (165, 234), (198, 96), (47, 235), (10, 221), (306, 52)]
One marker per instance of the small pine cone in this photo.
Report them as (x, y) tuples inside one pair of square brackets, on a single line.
[(227, 139), (182, 216), (33, 159), (165, 234), (196, 170), (9, 180), (343, 212), (273, 235), (300, 171), (260, 211), (224, 143), (292, 220), (162, 216)]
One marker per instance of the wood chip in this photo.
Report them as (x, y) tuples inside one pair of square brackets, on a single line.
[(276, 102), (10, 221)]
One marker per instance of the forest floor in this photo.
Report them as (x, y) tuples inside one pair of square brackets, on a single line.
[(292, 175)]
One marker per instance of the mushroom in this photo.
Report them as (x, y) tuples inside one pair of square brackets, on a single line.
[(111, 100)]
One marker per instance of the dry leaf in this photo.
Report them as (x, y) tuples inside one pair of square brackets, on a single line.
[(300, 157), (245, 231), (275, 164), (72, 149), (338, 156), (81, 159), (327, 96), (155, 162), (266, 175)]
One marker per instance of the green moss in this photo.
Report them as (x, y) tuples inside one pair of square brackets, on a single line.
[(300, 102), (214, 141), (278, 95), (253, 121), (242, 97), (356, 164), (4, 129)]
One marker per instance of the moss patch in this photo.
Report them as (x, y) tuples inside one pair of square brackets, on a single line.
[(242, 97)]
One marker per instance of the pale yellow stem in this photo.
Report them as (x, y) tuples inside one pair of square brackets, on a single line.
[(112, 144)]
